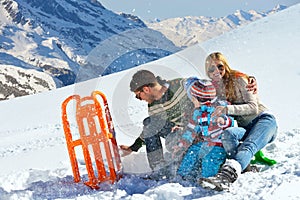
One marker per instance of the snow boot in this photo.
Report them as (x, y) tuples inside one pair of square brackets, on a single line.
[(251, 168), (228, 173), (259, 157)]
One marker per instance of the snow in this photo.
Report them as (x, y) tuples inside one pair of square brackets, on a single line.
[(33, 153), (189, 30)]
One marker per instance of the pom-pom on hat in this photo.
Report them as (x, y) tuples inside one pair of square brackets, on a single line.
[(203, 90)]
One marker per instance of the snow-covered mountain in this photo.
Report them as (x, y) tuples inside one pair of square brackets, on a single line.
[(50, 44), (45, 44), (187, 31)]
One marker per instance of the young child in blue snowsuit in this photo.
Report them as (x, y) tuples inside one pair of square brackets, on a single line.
[(200, 145)]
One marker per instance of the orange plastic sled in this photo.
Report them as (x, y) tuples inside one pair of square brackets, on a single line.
[(96, 137)]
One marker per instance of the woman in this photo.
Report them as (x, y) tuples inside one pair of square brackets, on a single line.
[(259, 126)]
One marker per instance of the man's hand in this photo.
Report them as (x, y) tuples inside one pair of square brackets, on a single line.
[(125, 150), (176, 128), (252, 85)]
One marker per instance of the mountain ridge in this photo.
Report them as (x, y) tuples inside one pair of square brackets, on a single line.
[(65, 41), (55, 37), (189, 30)]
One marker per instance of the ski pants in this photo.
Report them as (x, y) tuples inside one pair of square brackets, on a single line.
[(153, 129), (201, 160), (241, 144)]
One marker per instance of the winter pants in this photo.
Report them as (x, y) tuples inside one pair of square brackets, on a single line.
[(201, 160), (154, 128), (261, 131)]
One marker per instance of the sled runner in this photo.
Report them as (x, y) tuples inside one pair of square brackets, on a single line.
[(97, 139)]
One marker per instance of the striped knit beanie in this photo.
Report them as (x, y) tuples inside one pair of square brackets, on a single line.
[(202, 89)]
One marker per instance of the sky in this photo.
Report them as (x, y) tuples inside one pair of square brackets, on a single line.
[(163, 9), (33, 154)]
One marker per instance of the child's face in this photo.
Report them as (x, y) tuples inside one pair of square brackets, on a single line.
[(196, 102)]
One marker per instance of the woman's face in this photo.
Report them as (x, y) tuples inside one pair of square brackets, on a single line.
[(216, 70)]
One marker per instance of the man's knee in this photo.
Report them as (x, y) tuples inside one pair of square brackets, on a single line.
[(153, 143)]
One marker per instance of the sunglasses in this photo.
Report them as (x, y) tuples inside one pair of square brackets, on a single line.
[(138, 95), (212, 68)]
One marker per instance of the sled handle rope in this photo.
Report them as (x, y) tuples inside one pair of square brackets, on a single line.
[(259, 157), (97, 138)]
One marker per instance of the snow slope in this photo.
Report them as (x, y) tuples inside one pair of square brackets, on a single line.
[(33, 155)]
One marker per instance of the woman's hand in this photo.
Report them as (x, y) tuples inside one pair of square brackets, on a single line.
[(220, 121), (252, 85)]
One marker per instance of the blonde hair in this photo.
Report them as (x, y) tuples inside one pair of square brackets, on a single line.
[(229, 77)]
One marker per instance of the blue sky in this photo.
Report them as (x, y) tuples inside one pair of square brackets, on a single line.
[(163, 9)]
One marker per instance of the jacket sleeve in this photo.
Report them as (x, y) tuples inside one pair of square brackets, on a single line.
[(247, 102), (152, 125), (138, 143)]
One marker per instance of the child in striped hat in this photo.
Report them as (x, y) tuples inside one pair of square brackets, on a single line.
[(200, 146)]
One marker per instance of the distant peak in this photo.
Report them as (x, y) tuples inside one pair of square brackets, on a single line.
[(156, 20), (279, 7), (132, 17)]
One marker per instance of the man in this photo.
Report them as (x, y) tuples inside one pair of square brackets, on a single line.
[(168, 106)]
